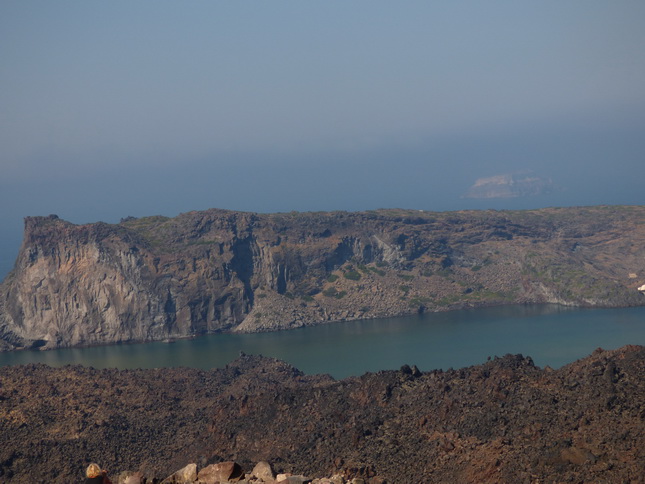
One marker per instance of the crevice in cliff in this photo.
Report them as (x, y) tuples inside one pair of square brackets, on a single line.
[(344, 252), (170, 308), (242, 265)]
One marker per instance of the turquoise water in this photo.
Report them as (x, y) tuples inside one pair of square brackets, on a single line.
[(551, 335)]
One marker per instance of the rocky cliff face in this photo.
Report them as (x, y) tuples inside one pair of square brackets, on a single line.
[(155, 278)]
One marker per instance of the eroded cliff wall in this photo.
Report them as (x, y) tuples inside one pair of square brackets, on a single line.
[(155, 278)]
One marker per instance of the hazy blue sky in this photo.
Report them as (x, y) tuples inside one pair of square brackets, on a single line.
[(118, 108)]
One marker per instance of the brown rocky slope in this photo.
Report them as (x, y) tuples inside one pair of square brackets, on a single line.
[(155, 278), (503, 421)]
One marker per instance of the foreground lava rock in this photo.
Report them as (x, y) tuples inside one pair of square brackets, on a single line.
[(157, 278), (503, 421)]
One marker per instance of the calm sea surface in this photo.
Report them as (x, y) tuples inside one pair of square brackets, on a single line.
[(551, 335)]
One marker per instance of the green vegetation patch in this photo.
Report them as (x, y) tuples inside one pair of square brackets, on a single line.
[(332, 278), (420, 300), (335, 293), (475, 296), (352, 275), (377, 271)]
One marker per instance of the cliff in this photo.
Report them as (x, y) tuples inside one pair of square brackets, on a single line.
[(155, 278), (505, 420)]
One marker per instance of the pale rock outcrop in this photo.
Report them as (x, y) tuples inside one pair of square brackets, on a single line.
[(130, 477), (263, 472), (291, 479), (221, 472), (187, 475)]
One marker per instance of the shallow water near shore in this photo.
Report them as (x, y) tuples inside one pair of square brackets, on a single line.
[(552, 335)]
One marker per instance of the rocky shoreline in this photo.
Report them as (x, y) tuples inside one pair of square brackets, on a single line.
[(505, 420)]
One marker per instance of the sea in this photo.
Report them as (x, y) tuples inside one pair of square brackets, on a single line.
[(551, 335)]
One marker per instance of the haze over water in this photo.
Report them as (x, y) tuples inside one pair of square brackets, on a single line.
[(551, 335), (111, 109), (116, 109)]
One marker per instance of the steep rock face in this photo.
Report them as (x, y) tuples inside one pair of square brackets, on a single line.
[(84, 285), (155, 278)]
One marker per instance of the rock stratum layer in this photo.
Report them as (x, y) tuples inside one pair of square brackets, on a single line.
[(155, 278), (503, 421)]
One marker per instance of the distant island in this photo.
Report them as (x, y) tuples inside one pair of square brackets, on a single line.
[(158, 278), (510, 185)]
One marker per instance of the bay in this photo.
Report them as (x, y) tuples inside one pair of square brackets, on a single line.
[(552, 335)]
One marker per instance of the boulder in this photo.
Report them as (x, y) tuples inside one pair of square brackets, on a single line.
[(183, 476), (220, 472), (129, 477), (263, 472), (289, 479)]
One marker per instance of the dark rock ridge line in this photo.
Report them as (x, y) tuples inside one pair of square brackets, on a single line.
[(155, 278), (502, 421)]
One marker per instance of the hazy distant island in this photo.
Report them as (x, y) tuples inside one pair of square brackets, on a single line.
[(156, 278), (510, 185)]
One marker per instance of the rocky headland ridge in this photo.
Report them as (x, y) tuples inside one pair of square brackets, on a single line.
[(156, 278), (502, 421)]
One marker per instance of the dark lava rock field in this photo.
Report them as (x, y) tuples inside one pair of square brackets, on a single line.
[(502, 421)]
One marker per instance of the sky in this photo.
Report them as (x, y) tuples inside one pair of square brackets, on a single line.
[(121, 108)]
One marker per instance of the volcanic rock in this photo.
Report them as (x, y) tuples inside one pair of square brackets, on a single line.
[(503, 421)]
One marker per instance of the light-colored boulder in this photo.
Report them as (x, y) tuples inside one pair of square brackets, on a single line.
[(289, 479), (129, 477), (220, 472), (187, 475), (263, 471)]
